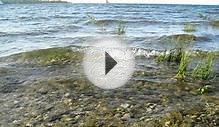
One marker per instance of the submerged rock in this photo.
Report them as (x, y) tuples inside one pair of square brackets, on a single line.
[(179, 38), (51, 56), (4, 71), (126, 116), (215, 23), (183, 38)]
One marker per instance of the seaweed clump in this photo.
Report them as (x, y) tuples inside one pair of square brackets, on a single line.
[(51, 56)]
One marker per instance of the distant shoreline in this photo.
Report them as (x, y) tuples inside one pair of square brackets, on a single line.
[(39, 2), (61, 2), (29, 2)]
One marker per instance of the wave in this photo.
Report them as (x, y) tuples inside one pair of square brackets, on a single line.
[(42, 31), (117, 21)]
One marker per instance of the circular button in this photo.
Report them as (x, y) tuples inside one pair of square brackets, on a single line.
[(109, 63)]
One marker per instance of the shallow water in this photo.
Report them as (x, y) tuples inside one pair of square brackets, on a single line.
[(26, 27)]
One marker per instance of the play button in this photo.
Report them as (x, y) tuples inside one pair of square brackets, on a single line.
[(108, 63)]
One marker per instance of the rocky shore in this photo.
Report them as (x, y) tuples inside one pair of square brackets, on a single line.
[(48, 88)]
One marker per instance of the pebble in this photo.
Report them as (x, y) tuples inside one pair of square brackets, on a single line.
[(28, 125), (126, 116), (126, 105), (67, 95), (117, 115)]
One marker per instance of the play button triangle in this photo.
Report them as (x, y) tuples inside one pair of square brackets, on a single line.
[(109, 63)]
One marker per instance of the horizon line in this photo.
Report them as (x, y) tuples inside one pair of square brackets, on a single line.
[(141, 3), (186, 2)]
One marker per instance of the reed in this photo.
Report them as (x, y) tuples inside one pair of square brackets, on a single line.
[(173, 55), (182, 70), (202, 16), (121, 28), (95, 21), (205, 69), (92, 19), (189, 27)]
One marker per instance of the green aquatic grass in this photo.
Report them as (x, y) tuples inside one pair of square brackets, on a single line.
[(182, 70), (181, 41), (213, 22), (203, 90), (179, 56), (95, 21), (173, 55), (202, 16), (189, 27), (121, 28), (204, 70), (92, 19)]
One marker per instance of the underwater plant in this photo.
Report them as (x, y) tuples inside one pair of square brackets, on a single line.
[(204, 70), (121, 28), (215, 23), (182, 70), (92, 19), (203, 90), (95, 21), (202, 16), (173, 55), (51, 56), (189, 27)]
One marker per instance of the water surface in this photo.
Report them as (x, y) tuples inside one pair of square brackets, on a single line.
[(26, 27)]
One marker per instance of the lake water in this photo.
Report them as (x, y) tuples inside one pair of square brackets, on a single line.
[(26, 27)]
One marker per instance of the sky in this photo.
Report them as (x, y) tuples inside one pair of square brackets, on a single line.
[(204, 2)]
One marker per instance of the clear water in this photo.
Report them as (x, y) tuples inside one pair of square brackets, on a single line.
[(26, 27)]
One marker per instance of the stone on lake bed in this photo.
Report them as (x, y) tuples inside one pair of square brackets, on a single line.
[(126, 105), (126, 116), (183, 38)]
